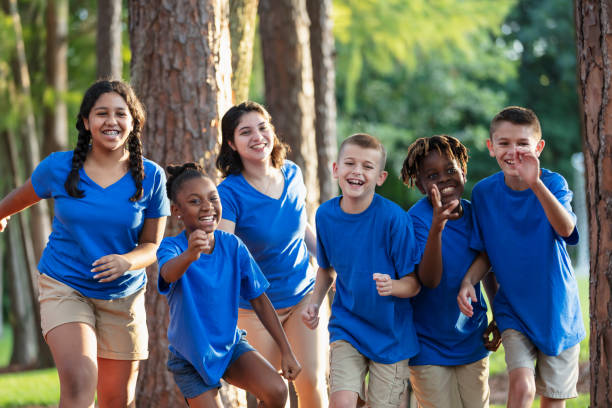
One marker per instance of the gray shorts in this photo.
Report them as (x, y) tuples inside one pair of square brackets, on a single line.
[(555, 376)]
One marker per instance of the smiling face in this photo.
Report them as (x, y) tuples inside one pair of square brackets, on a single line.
[(358, 172), (445, 173), (198, 205), (253, 138), (109, 122), (507, 140)]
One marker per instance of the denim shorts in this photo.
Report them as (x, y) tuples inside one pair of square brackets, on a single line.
[(190, 382)]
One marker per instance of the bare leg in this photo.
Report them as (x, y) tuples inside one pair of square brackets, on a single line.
[(253, 373), (546, 402), (74, 349), (344, 399), (117, 383), (210, 399), (522, 388)]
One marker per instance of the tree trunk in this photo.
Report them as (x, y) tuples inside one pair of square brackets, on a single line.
[(108, 40), (39, 214), (242, 30), (322, 50), (56, 77), (594, 51), (181, 69), (287, 63)]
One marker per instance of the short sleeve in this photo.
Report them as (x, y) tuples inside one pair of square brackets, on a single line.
[(421, 231), (41, 177), (166, 251), (228, 202), (476, 242), (252, 280), (159, 205), (405, 251)]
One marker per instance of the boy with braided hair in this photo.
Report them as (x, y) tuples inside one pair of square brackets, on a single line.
[(452, 357)]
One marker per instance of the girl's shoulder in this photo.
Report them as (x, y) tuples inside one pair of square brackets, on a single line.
[(151, 167)]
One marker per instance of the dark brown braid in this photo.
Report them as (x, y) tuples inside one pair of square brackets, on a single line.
[(179, 174), (83, 143), (445, 145)]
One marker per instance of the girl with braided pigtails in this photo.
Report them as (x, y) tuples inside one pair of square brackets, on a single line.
[(110, 214)]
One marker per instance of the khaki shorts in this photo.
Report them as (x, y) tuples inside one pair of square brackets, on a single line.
[(555, 376), (120, 324), (348, 368), (464, 385)]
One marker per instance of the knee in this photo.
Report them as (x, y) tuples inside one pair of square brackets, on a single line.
[(523, 387), (78, 385), (275, 394), (342, 400)]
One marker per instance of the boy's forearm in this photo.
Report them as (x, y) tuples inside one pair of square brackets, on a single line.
[(267, 315), (478, 269), (325, 278), (489, 282), (430, 268), (406, 287), (560, 219)]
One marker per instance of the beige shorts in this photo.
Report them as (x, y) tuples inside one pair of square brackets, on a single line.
[(464, 385), (120, 324), (555, 376), (348, 368)]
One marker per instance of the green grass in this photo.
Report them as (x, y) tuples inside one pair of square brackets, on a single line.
[(39, 387), (582, 401)]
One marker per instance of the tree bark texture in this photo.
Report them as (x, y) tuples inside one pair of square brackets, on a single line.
[(55, 128), (594, 52), (181, 70), (323, 51), (243, 14), (284, 31), (40, 223), (108, 39)]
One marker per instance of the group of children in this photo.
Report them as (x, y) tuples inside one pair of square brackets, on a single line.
[(407, 303)]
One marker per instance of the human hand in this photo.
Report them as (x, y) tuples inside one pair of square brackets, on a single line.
[(442, 213), (528, 166), (110, 267), (197, 243), (290, 366), (310, 316), (3, 223), (384, 284), (465, 297), (492, 337)]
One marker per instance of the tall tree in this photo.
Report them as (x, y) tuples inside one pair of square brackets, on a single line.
[(181, 67), (594, 50), (243, 14), (108, 40), (284, 31), (55, 128), (322, 50)]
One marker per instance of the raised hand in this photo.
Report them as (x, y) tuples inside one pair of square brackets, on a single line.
[(198, 242), (528, 166), (310, 316), (442, 213), (466, 296), (384, 284), (110, 267)]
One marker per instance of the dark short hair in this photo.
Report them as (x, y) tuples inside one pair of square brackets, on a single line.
[(445, 145), (365, 141), (518, 116), (179, 174), (228, 160)]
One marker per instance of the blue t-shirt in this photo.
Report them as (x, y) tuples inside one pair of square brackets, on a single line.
[(380, 239), (273, 230), (204, 301), (103, 222), (447, 337), (538, 293)]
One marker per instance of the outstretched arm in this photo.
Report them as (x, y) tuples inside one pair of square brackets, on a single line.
[(430, 268), (177, 266), (560, 219), (17, 200), (268, 317), (475, 273), (325, 278), (405, 287)]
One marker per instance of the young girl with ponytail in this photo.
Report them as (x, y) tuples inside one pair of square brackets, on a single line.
[(110, 214)]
